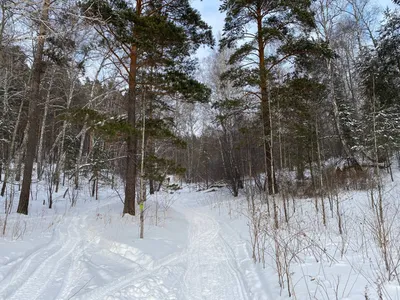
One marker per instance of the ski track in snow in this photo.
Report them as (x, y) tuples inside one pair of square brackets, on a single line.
[(134, 283), (40, 269), (207, 268), (212, 272)]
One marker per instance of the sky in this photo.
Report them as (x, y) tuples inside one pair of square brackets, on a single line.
[(209, 10)]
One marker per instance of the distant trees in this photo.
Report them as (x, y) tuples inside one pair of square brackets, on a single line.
[(14, 79), (38, 96), (228, 105)]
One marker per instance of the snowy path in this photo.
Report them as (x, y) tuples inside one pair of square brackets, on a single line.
[(80, 262), (42, 269), (212, 271)]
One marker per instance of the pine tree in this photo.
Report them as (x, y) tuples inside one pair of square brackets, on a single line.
[(142, 34), (280, 26), (380, 72), (33, 110)]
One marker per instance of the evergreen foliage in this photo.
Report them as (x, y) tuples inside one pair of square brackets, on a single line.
[(282, 32), (380, 71)]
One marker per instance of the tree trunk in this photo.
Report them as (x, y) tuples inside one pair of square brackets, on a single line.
[(142, 179), (338, 127), (80, 153), (11, 150), (151, 186), (37, 71), (131, 157), (131, 168), (62, 154), (43, 128), (265, 108), (151, 149), (21, 152), (82, 134)]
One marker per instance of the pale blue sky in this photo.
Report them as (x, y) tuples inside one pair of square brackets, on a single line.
[(209, 10)]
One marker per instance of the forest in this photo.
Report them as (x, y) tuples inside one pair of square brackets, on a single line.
[(96, 89), (292, 100)]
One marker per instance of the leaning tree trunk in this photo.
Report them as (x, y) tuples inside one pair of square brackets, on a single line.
[(33, 111)]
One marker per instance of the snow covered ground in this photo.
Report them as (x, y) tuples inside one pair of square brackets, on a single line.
[(90, 252), (197, 246)]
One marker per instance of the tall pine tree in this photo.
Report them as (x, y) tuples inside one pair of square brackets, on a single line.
[(149, 34), (264, 35)]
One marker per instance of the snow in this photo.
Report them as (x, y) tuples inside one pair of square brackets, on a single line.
[(90, 252), (197, 245)]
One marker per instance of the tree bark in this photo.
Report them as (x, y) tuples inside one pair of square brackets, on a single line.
[(131, 167), (61, 151), (83, 132), (349, 153), (4, 114), (43, 128), (131, 157), (33, 111), (142, 179), (11, 151), (21, 152), (265, 108)]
